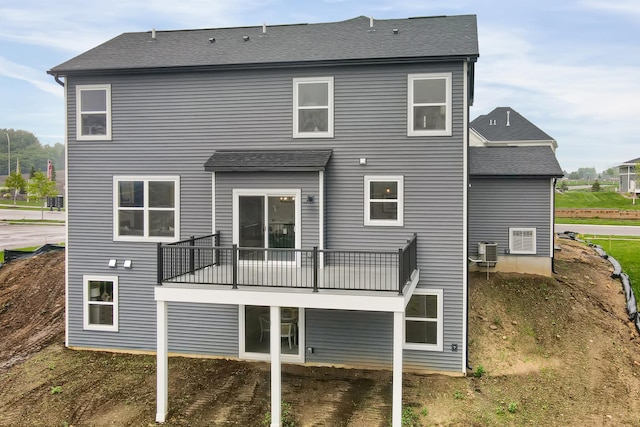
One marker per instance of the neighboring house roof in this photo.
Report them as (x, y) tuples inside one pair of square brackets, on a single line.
[(630, 162), (514, 162), (267, 160), (506, 124), (425, 38)]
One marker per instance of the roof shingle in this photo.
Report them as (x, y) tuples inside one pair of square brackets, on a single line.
[(267, 160), (519, 129), (354, 39), (513, 161)]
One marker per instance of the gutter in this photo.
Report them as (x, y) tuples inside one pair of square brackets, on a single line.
[(56, 77), (264, 65)]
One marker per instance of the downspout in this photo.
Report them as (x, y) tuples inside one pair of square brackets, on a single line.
[(553, 225), (57, 79)]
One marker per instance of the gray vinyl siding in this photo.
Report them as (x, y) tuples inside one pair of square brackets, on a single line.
[(169, 124), (360, 338), (306, 182), (497, 204)]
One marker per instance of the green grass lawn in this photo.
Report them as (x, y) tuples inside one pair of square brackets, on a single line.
[(595, 200), (626, 252), (597, 221)]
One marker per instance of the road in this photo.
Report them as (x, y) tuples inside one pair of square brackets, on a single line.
[(28, 235), (605, 230)]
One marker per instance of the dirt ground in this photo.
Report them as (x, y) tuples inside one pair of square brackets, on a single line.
[(555, 352)]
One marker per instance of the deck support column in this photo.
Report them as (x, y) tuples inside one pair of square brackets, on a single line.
[(398, 339), (276, 368), (162, 362)]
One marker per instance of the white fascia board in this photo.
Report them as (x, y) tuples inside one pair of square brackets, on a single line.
[(304, 298)]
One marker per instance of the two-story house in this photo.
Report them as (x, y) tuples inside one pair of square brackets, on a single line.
[(312, 177), (513, 171), (628, 178)]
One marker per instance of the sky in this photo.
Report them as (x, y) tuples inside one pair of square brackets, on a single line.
[(571, 67)]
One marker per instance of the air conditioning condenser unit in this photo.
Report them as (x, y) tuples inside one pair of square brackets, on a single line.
[(488, 252)]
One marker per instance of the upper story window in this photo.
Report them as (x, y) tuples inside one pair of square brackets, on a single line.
[(93, 118), (423, 320), (429, 99), (522, 240), (146, 208), (313, 107), (100, 302), (384, 200)]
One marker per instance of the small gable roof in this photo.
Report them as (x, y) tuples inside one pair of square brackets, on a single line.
[(493, 127), (630, 162), (514, 162), (267, 160), (426, 38)]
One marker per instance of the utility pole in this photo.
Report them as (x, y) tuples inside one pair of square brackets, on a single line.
[(8, 154)]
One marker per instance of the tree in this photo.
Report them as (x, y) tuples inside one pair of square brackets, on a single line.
[(15, 182), (596, 186), (53, 173), (33, 172), (41, 188)]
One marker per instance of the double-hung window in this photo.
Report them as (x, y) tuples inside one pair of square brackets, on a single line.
[(93, 112), (313, 107), (429, 109), (100, 296), (383, 200), (522, 240), (146, 208), (423, 320)]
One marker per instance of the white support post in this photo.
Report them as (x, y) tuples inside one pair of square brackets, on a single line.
[(162, 363), (398, 338), (276, 377)]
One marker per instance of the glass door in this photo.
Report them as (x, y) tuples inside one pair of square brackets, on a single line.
[(251, 227), (266, 221), (282, 228), (255, 330)]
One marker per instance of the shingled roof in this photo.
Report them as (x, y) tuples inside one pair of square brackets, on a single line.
[(514, 162), (427, 38), (493, 127), (267, 160)]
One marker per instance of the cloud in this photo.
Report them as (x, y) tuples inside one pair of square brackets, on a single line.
[(622, 7), (29, 75), (103, 20), (589, 106)]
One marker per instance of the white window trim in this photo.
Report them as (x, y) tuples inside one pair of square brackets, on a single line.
[(79, 136), (146, 237), (413, 77), (428, 347), (399, 221), (533, 251), (329, 132), (237, 192), (85, 302), (299, 357)]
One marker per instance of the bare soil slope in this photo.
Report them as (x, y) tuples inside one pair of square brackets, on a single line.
[(556, 351)]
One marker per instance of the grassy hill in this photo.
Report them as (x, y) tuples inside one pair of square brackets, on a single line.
[(594, 200)]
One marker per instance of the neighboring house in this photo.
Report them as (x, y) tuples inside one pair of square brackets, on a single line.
[(512, 169), (628, 180), (322, 170)]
